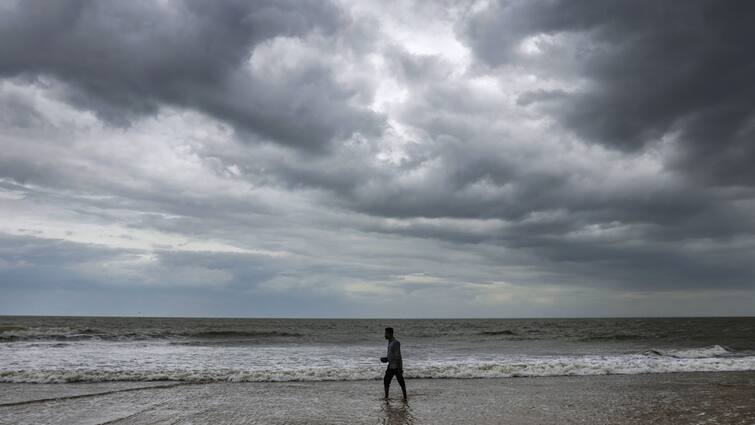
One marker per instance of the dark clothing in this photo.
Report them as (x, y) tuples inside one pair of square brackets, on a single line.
[(390, 373), (394, 354), (395, 367)]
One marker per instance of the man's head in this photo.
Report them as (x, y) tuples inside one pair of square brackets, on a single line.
[(388, 333)]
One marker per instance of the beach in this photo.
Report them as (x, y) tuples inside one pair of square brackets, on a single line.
[(94, 370), (679, 398)]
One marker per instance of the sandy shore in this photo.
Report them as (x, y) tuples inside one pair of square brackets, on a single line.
[(688, 398)]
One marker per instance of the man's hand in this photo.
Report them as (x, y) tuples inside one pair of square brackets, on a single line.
[(384, 359)]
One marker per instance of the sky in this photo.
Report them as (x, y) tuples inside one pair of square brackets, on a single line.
[(327, 158)]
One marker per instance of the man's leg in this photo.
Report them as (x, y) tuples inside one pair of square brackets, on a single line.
[(400, 379), (387, 381)]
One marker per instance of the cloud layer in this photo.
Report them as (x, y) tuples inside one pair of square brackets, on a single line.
[(518, 158)]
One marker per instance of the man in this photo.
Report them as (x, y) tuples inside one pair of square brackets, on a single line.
[(395, 364)]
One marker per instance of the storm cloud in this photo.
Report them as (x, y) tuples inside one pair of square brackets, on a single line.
[(650, 71), (482, 158), (124, 61)]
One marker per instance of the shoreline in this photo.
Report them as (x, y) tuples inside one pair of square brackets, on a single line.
[(668, 398)]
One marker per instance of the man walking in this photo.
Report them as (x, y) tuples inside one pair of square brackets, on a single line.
[(395, 364)]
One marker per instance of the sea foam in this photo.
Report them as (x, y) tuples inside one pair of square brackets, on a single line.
[(702, 359)]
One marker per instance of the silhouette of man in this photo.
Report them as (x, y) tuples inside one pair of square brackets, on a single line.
[(395, 364)]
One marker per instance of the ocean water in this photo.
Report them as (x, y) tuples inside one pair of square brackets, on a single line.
[(99, 349)]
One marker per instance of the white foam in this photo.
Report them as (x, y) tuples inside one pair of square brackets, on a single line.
[(695, 353), (149, 360), (504, 367)]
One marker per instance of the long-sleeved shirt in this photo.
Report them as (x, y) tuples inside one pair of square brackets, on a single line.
[(394, 355)]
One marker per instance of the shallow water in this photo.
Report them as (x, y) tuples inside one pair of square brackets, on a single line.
[(697, 398)]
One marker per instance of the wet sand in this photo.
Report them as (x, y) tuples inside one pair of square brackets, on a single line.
[(685, 398)]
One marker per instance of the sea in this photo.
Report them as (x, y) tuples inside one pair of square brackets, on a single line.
[(110, 349)]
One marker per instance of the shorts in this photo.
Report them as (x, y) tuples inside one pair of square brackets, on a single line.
[(390, 373)]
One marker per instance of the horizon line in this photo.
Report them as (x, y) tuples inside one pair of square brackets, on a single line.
[(376, 318)]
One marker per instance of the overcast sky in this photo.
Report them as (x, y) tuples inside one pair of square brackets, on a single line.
[(377, 159)]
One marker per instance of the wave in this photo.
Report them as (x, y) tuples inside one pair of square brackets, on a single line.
[(18, 333), (616, 337), (12, 328), (12, 334), (241, 334), (501, 332), (719, 359), (693, 353)]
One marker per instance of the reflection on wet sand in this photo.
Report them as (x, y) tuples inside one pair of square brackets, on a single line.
[(396, 413)]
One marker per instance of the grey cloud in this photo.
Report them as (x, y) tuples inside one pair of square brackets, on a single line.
[(247, 270), (478, 179), (472, 177), (28, 262), (474, 196), (17, 112), (37, 263), (48, 276), (415, 69), (653, 69), (25, 249), (650, 266), (125, 60), (540, 96), (231, 283), (467, 172)]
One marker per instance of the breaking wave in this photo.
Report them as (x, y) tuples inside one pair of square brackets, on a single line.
[(704, 359), (693, 353)]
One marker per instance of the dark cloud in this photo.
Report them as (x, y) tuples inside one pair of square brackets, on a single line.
[(538, 168), (476, 187), (652, 68), (126, 60)]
